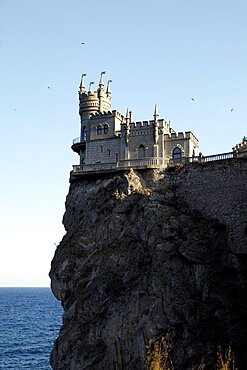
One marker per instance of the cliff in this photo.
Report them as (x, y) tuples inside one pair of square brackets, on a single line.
[(151, 255)]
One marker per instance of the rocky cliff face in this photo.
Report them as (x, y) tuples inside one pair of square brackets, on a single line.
[(143, 260)]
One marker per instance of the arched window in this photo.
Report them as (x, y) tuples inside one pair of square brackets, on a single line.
[(177, 154), (141, 152), (84, 134), (99, 130), (106, 129)]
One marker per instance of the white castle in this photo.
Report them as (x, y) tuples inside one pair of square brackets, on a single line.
[(109, 141)]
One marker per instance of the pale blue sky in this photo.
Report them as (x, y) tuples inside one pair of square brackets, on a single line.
[(156, 52)]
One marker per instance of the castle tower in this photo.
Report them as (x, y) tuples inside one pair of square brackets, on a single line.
[(88, 101), (92, 102)]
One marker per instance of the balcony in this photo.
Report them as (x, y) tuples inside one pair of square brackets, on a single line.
[(78, 144), (145, 163)]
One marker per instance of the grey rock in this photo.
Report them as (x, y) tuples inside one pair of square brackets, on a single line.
[(142, 260)]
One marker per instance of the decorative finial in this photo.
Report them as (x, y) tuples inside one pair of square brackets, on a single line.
[(108, 91), (101, 82), (127, 113), (82, 87), (90, 87)]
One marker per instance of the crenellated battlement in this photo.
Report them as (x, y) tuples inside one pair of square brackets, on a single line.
[(140, 124), (240, 149), (241, 145), (113, 113), (183, 135)]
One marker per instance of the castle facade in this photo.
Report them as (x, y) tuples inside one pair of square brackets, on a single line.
[(110, 141)]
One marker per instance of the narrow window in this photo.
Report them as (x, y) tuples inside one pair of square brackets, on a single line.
[(105, 129), (177, 154), (101, 149), (109, 152), (99, 130), (84, 134)]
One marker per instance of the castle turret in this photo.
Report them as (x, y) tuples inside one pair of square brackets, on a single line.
[(101, 92), (104, 97), (156, 128), (82, 87), (108, 91), (89, 102), (156, 114), (127, 131), (94, 102), (90, 88)]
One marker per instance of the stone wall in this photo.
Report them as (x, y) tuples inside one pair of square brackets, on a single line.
[(102, 151), (218, 190)]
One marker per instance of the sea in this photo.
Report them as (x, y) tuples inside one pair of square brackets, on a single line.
[(30, 319)]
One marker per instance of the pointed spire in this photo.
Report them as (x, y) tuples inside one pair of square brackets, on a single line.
[(90, 87), (131, 116), (101, 82), (108, 91), (82, 87), (156, 114), (127, 119)]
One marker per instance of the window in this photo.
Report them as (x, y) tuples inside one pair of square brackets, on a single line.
[(177, 154), (141, 152), (106, 129), (99, 130), (109, 152), (84, 134)]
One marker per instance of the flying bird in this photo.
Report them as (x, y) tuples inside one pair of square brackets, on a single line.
[(192, 99), (82, 43), (232, 110), (48, 87)]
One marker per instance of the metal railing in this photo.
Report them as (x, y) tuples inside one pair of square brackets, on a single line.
[(201, 159), (77, 140), (219, 157)]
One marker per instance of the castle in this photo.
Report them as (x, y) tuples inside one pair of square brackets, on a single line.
[(109, 141)]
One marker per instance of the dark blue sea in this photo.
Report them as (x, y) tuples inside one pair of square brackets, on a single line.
[(30, 319)]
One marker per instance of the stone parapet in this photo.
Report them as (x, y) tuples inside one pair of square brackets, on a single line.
[(146, 163)]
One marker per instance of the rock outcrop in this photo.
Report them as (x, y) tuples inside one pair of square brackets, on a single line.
[(146, 257)]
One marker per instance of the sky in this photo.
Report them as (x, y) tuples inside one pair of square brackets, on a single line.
[(162, 52)]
